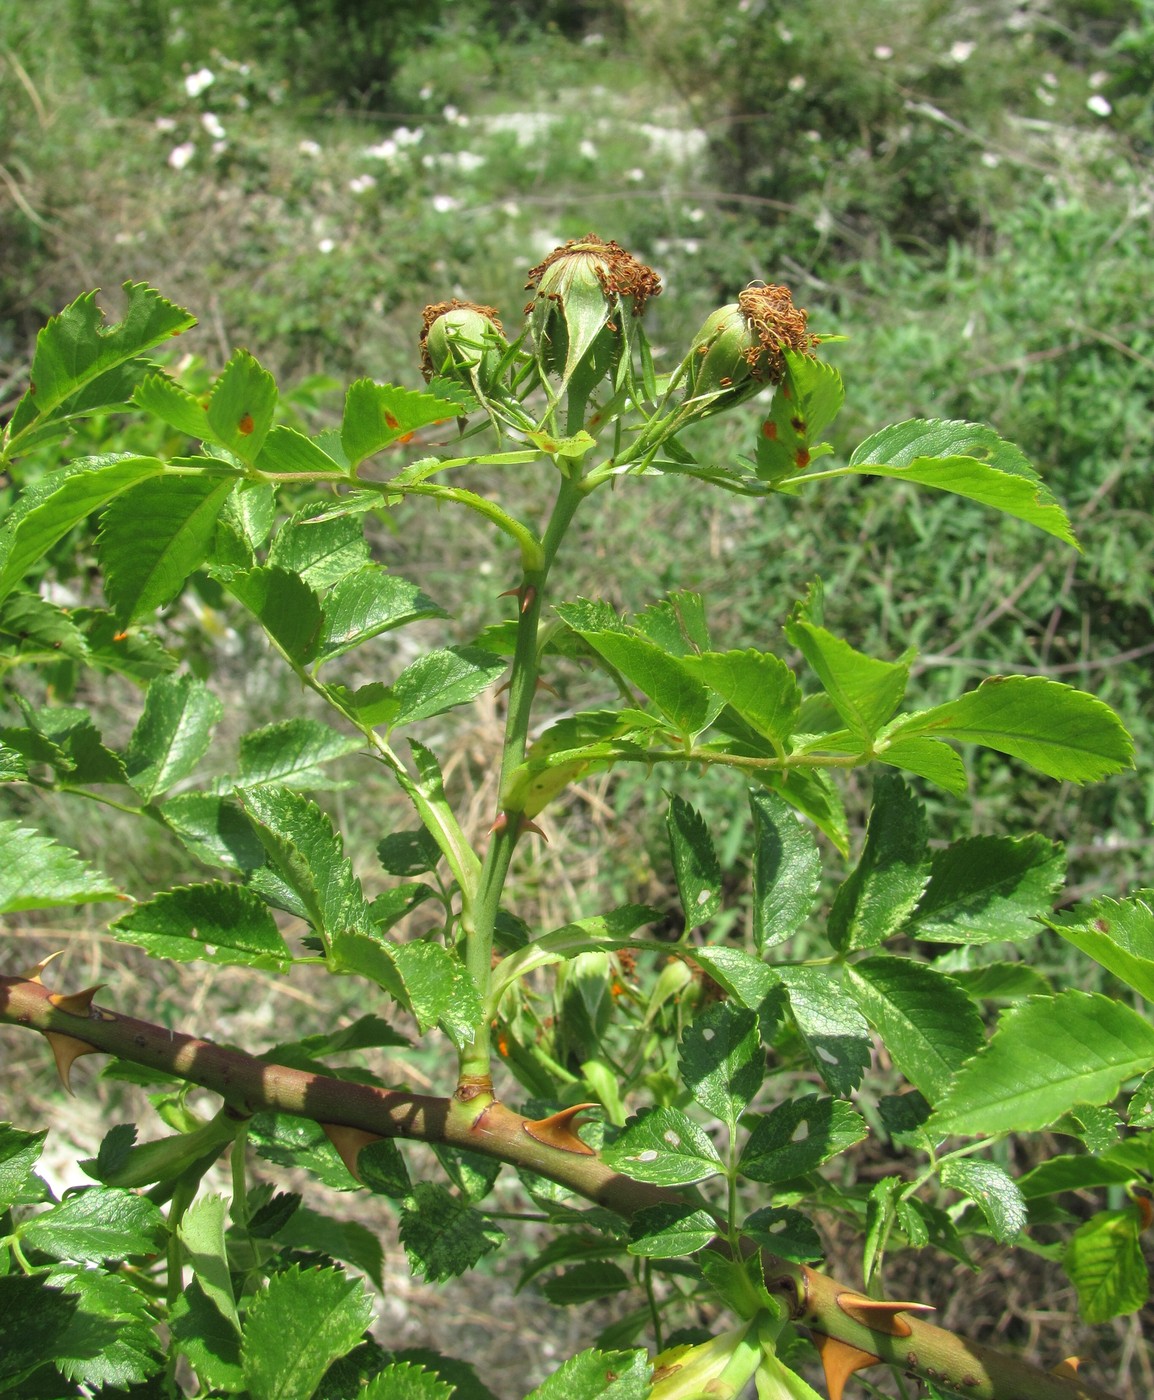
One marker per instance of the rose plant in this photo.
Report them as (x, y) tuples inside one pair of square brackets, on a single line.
[(669, 1099)]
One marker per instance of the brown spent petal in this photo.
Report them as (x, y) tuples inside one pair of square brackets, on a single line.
[(621, 274), (436, 310), (778, 325)]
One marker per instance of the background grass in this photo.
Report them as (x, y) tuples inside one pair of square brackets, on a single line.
[(966, 192)]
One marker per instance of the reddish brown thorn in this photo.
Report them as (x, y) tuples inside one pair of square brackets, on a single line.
[(557, 1131), (66, 1050), (527, 826), (544, 685), (500, 823), (33, 973), (510, 593), (75, 1003), (880, 1315), (839, 1360), (1067, 1369), (528, 594), (349, 1142)]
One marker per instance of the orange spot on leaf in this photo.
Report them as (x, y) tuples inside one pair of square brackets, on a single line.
[(120, 637), (391, 421), (769, 430), (406, 437), (801, 458), (245, 425)]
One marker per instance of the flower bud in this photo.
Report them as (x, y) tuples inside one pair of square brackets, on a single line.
[(461, 340), (584, 291), (744, 344)]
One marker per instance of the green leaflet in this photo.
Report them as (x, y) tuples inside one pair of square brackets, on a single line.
[(803, 406), (61, 501), (284, 605), (722, 1062), (864, 690), (888, 880), (154, 535), (444, 1236), (97, 1224), (668, 1231), (665, 1147), (598, 1375), (585, 1283), (303, 1321), (798, 1136), (378, 414), (36, 873), (366, 603), (1047, 1054), (992, 1191), (927, 1023), (215, 922), (172, 734), (241, 406), (81, 364), (207, 1340), (322, 549), (969, 460), (201, 1230), (19, 1153), (309, 856), (291, 753), (756, 685), (988, 888), (1104, 1258), (1119, 934), (786, 870), (834, 1030), (434, 683), (404, 1380), (33, 1318), (695, 865), (111, 1338), (1062, 732)]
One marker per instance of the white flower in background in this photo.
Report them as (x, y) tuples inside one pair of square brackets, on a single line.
[(1099, 105), (467, 161), (637, 175), (309, 148), (426, 92), (1044, 96), (1051, 80), (990, 160), (883, 53), (211, 123), (360, 183), (695, 216), (593, 41), (219, 147), (1098, 79), (796, 83), (383, 150), (961, 51), (587, 150), (445, 203), (449, 112), (404, 136), (164, 124), (196, 82), (180, 155), (326, 245), (511, 209)]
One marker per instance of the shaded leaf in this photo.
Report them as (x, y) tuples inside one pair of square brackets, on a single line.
[(992, 1191), (798, 1136), (665, 1147), (721, 1060), (213, 922), (443, 1236), (834, 1030), (988, 888), (786, 869), (172, 734), (695, 864)]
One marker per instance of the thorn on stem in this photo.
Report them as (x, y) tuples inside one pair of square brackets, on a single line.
[(33, 973), (880, 1314), (349, 1142), (75, 1003), (66, 1050), (557, 1130), (839, 1360)]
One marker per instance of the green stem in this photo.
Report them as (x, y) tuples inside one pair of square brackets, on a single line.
[(479, 922)]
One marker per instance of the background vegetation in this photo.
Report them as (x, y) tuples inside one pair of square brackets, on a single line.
[(964, 191)]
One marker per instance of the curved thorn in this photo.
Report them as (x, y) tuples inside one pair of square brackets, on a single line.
[(75, 1003), (33, 973), (527, 826), (66, 1050), (1067, 1369), (879, 1314), (839, 1360), (349, 1143), (557, 1130)]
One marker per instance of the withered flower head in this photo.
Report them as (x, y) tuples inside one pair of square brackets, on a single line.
[(458, 337), (619, 274), (583, 290), (747, 340)]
